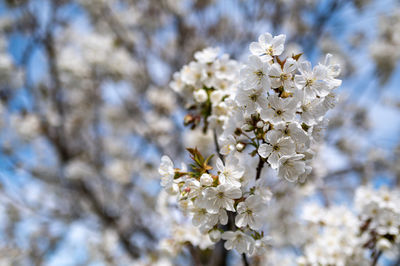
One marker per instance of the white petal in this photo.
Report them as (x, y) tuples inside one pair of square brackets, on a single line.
[(233, 193), (286, 146), (265, 38), (255, 48), (305, 67), (267, 114), (264, 150), (273, 160), (241, 220), (273, 136)]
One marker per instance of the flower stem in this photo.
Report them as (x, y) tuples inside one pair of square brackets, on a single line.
[(217, 145), (376, 258), (259, 168), (244, 258)]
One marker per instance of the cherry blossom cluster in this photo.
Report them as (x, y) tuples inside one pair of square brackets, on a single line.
[(342, 238), (181, 232), (380, 215), (271, 113), (213, 199), (280, 107), (206, 85), (384, 49), (335, 240)]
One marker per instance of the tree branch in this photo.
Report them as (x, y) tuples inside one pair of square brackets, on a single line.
[(376, 258)]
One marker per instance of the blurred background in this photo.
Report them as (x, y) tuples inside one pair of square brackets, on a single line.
[(86, 113)]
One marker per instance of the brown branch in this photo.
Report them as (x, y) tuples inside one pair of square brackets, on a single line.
[(195, 255), (376, 258), (107, 219), (344, 171)]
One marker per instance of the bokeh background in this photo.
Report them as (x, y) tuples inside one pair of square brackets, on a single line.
[(86, 113)]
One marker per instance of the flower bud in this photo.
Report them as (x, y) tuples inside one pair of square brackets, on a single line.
[(215, 235), (200, 96), (206, 180), (240, 147), (247, 127), (260, 124), (383, 244), (188, 119), (238, 131), (255, 117)]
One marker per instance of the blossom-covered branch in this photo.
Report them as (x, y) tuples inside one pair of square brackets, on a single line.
[(271, 110)]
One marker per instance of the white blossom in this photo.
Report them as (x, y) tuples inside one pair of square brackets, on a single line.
[(249, 213), (275, 148), (268, 46), (291, 167), (231, 172), (312, 81), (283, 77), (279, 110), (255, 74), (221, 196), (239, 241)]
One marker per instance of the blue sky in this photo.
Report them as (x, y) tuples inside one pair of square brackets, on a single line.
[(385, 120)]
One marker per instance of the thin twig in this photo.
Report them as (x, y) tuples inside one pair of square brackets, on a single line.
[(376, 258), (217, 146), (244, 258), (260, 166)]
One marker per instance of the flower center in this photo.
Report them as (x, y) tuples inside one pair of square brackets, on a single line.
[(386, 198), (253, 97), (286, 132), (269, 50), (259, 74), (284, 76), (309, 82)]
